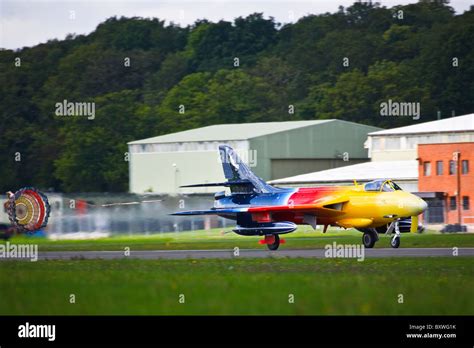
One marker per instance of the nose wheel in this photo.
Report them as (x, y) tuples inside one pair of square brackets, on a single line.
[(395, 241)]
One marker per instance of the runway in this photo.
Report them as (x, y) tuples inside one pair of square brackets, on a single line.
[(246, 253)]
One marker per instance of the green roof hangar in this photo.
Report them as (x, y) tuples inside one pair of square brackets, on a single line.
[(273, 150)]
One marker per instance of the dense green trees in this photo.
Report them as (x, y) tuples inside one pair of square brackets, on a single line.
[(147, 78)]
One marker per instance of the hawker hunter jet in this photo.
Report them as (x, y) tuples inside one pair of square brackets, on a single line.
[(260, 209)]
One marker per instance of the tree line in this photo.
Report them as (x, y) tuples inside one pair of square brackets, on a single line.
[(147, 78)]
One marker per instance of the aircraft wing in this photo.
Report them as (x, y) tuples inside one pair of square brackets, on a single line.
[(303, 208), (327, 207)]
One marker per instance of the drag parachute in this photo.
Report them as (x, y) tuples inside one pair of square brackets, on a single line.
[(28, 209)]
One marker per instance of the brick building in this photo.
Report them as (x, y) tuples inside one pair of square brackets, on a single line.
[(443, 170)]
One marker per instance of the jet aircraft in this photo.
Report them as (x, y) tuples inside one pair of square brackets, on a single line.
[(260, 209)]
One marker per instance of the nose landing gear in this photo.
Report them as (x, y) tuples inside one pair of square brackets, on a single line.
[(395, 240)]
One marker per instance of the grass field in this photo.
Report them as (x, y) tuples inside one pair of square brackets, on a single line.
[(303, 238), (239, 286)]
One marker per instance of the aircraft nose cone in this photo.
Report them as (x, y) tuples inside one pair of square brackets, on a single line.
[(420, 206), (424, 205)]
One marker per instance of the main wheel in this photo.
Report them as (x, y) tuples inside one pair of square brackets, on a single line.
[(369, 239), (275, 244), (395, 242)]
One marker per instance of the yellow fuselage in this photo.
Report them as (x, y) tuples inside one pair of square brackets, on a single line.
[(374, 209)]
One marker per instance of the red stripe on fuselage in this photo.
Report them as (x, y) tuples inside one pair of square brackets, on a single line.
[(308, 195)]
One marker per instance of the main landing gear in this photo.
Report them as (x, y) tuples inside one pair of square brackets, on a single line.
[(369, 238), (371, 235), (272, 241)]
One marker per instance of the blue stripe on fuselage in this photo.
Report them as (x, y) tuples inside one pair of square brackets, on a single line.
[(260, 199)]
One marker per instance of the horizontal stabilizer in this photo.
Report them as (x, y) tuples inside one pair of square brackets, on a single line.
[(211, 212), (226, 184)]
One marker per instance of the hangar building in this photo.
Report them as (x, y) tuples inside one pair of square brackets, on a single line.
[(272, 149)]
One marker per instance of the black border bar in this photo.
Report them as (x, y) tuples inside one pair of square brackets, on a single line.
[(241, 330)]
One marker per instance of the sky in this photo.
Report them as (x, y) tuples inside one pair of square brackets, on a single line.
[(30, 22)]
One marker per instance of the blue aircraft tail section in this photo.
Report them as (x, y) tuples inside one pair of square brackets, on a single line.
[(240, 178), (238, 174)]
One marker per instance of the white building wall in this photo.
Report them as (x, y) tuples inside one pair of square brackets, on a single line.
[(154, 170), (404, 147)]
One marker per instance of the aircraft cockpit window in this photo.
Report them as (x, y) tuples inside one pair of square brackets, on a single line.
[(396, 187), (382, 185), (387, 187), (373, 185), (390, 186)]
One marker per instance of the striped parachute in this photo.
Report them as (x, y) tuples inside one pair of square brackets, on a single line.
[(28, 209)]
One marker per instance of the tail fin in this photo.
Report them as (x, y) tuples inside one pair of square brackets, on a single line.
[(235, 170)]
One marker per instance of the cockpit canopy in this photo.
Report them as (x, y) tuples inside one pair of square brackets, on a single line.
[(381, 185)]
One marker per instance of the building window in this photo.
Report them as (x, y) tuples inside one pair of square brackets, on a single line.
[(439, 167), (465, 167), (454, 138), (452, 167), (426, 168), (465, 203), (452, 203), (412, 142), (392, 143), (376, 144), (432, 139)]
